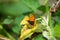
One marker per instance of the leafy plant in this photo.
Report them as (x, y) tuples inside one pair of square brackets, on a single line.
[(29, 20)]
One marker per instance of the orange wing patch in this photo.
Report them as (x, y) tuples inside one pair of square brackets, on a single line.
[(31, 19)]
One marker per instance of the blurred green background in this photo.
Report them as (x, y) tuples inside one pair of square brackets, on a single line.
[(13, 11)]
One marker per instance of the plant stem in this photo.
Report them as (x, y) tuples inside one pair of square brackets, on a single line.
[(50, 23), (9, 36)]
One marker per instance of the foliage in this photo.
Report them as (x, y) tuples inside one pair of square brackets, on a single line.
[(16, 22)]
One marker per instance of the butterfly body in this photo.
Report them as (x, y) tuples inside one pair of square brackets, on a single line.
[(31, 22)]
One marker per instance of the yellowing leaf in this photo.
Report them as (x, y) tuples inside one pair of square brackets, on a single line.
[(27, 32), (35, 27), (27, 29), (3, 37), (24, 28), (24, 21)]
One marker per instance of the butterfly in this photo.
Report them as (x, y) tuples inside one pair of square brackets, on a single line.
[(31, 20)]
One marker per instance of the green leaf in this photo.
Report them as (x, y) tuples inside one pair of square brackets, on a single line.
[(32, 4), (20, 7), (4, 1), (57, 29), (16, 29), (0, 8), (38, 37), (39, 28), (7, 21), (16, 26), (1, 26), (42, 8)]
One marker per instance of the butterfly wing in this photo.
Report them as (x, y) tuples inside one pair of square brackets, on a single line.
[(31, 19)]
